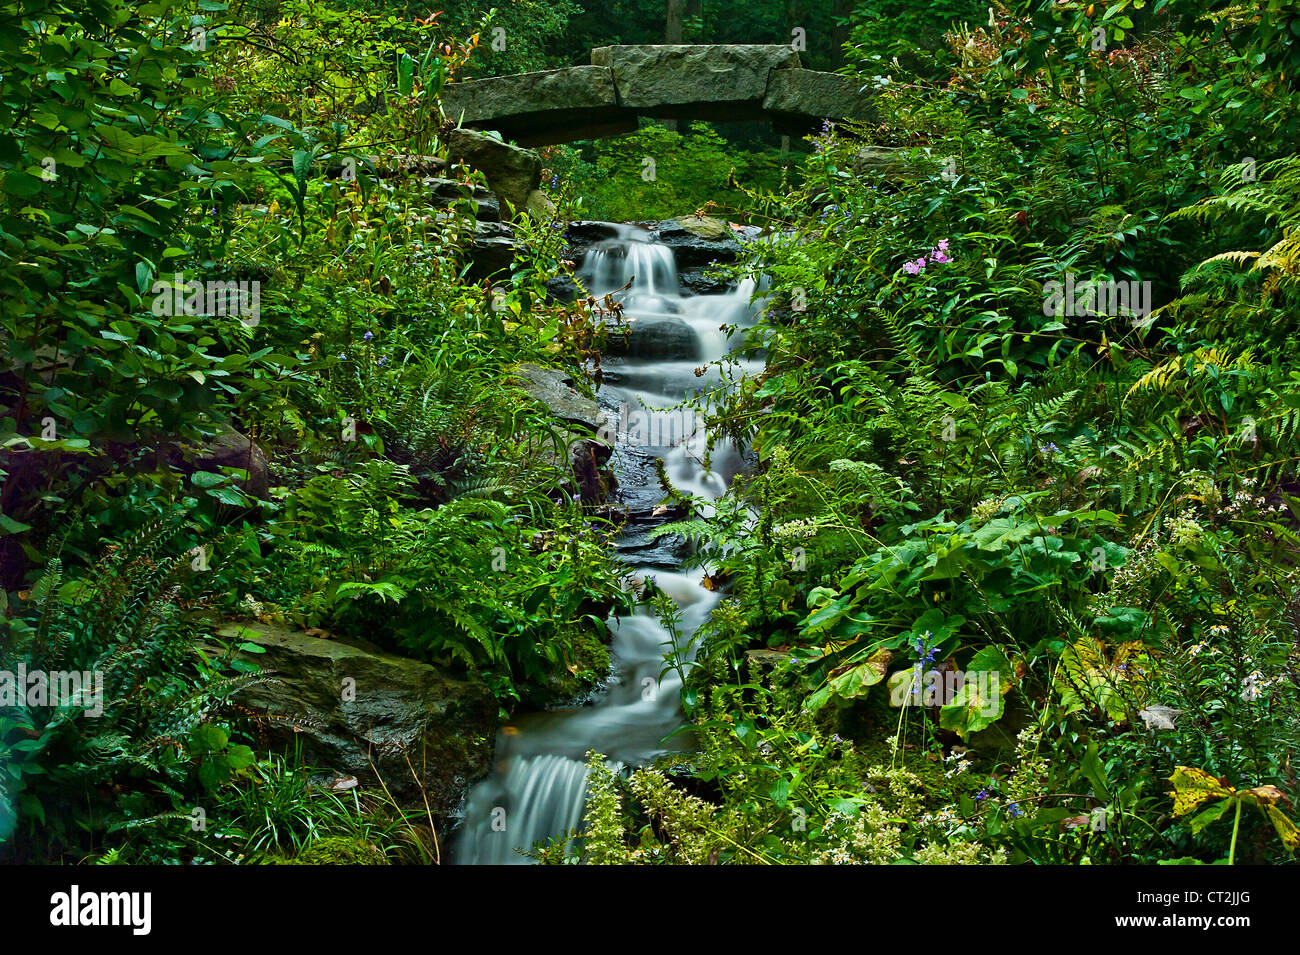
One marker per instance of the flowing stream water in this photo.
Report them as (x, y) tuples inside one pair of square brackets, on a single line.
[(537, 784)]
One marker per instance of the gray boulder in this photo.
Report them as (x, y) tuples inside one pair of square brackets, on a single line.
[(662, 337), (491, 250), (694, 250), (230, 449), (588, 451), (896, 164), (512, 173), (358, 710)]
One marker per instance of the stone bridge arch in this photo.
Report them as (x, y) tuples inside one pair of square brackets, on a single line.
[(623, 83)]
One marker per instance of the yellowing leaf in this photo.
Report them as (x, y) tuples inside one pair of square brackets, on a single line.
[(1194, 786), (1286, 829)]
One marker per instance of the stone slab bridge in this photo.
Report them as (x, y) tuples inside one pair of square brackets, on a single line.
[(624, 83)]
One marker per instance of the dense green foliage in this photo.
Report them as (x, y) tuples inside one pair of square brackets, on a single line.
[(958, 468), (407, 459), (958, 477), (693, 170)]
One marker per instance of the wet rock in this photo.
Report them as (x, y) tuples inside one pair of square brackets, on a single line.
[(583, 234), (694, 251), (561, 290), (640, 500), (589, 451), (698, 282), (657, 337), (401, 709), (491, 250)]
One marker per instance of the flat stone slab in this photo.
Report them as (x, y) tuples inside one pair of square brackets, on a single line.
[(401, 709), (524, 94), (704, 81), (554, 388), (816, 94), (652, 78), (542, 108)]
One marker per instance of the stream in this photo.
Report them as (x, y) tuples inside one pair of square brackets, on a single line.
[(536, 788)]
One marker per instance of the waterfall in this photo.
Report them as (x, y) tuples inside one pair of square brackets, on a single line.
[(537, 785)]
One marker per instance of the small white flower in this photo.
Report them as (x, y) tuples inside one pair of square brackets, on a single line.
[(1250, 687)]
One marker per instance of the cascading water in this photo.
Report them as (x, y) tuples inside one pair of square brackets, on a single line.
[(537, 784)]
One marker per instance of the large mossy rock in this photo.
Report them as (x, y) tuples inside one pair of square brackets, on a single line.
[(350, 705), (512, 172), (895, 165), (336, 850), (705, 227), (698, 241), (230, 449)]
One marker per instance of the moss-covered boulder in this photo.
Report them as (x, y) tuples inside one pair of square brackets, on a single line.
[(337, 850), (361, 711)]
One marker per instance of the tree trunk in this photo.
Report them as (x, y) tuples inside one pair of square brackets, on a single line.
[(673, 28), (840, 10)]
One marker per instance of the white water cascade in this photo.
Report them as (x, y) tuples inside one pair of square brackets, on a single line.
[(537, 784)]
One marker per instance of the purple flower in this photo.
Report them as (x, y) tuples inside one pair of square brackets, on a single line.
[(981, 795), (1013, 810), (384, 359), (926, 652), (938, 255), (914, 268), (943, 245), (368, 335)]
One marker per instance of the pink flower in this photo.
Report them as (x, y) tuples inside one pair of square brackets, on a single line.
[(940, 256), (943, 245), (914, 268)]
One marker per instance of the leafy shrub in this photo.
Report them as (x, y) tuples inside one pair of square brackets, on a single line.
[(80, 774)]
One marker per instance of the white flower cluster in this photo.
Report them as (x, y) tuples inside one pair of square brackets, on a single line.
[(1031, 766), (961, 761), (1185, 531), (872, 838), (795, 529), (982, 512)]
